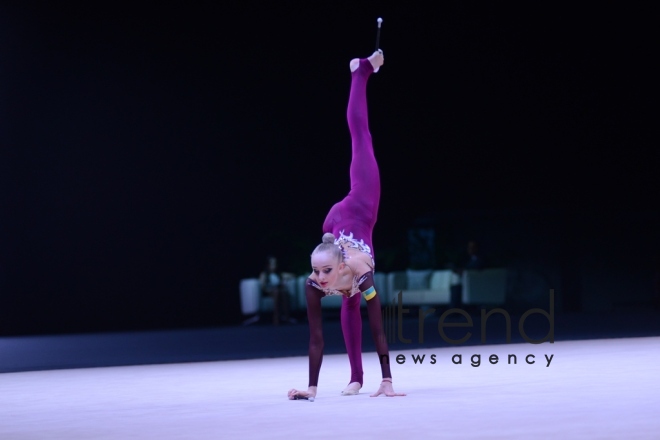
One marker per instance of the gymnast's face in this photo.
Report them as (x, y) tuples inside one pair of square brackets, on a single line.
[(326, 267)]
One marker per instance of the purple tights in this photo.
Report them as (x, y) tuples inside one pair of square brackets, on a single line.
[(356, 214)]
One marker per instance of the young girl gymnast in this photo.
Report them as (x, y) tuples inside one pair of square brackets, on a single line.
[(343, 263)]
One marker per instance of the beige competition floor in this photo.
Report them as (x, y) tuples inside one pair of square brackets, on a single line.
[(596, 389)]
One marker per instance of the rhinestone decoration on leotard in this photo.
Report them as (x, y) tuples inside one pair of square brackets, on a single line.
[(352, 242)]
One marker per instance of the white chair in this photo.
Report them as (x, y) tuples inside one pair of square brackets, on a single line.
[(429, 288), (250, 295), (266, 303), (380, 281), (300, 292), (484, 287), (440, 286), (253, 302), (396, 282)]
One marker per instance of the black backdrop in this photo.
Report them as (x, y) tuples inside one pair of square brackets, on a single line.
[(153, 155)]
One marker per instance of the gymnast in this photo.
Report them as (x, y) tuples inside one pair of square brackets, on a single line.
[(343, 263)]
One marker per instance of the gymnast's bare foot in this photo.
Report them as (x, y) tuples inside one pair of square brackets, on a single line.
[(295, 394), (376, 59), (352, 389), (386, 389)]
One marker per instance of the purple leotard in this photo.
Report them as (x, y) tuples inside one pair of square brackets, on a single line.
[(355, 214)]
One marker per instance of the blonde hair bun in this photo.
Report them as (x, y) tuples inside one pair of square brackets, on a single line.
[(328, 237), (329, 245)]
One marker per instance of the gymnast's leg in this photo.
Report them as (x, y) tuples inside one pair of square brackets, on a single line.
[(370, 293), (361, 203), (365, 179), (351, 326)]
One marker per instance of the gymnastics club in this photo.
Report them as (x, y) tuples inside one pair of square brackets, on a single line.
[(380, 21)]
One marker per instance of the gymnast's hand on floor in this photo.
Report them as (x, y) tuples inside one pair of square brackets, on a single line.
[(297, 394), (386, 389)]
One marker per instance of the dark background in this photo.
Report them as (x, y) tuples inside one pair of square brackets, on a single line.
[(153, 155)]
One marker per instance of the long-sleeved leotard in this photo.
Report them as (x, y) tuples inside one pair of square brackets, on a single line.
[(352, 220)]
